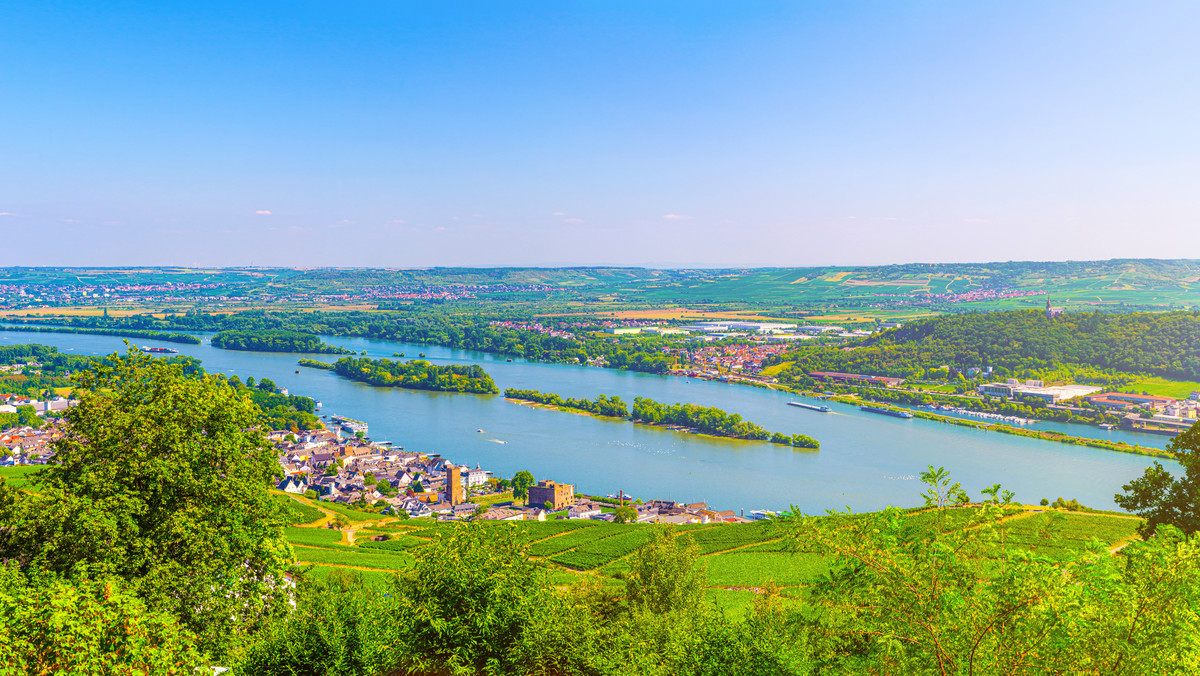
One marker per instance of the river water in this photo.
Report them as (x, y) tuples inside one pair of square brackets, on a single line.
[(866, 461)]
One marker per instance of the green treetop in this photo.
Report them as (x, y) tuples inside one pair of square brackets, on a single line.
[(161, 479)]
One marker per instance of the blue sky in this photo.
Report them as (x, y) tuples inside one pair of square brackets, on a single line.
[(689, 133)]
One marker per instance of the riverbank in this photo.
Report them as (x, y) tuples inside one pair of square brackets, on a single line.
[(1059, 437), (180, 338), (863, 462)]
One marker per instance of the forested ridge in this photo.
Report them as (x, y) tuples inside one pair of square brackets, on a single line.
[(1022, 342)]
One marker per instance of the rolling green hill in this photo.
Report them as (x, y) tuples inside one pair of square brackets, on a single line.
[(1162, 344)]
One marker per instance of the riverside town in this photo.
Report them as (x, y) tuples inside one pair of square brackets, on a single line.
[(582, 339)]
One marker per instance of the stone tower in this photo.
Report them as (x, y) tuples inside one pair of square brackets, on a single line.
[(454, 488)]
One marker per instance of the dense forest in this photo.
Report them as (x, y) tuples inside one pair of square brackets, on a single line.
[(711, 420), (275, 340), (43, 369), (280, 411), (26, 416), (602, 405), (417, 374), (1099, 347)]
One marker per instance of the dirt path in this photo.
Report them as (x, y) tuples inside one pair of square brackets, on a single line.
[(326, 515)]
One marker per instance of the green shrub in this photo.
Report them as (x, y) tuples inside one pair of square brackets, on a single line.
[(53, 625)]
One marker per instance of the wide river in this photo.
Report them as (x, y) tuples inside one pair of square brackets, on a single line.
[(866, 461)]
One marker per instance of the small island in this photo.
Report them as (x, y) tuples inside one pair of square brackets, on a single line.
[(708, 420), (603, 405), (417, 374), (714, 421), (275, 340)]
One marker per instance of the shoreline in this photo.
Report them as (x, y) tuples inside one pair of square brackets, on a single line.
[(1114, 446)]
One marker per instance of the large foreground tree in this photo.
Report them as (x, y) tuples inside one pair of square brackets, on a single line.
[(161, 479), (1161, 498)]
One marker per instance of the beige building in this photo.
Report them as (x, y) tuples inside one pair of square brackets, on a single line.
[(454, 485), (559, 495)]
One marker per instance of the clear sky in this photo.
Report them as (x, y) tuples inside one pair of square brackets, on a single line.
[(390, 133)]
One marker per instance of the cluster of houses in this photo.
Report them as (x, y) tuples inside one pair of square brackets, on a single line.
[(27, 445), (329, 467), (746, 358)]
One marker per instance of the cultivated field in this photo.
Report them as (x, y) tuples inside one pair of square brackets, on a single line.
[(739, 558)]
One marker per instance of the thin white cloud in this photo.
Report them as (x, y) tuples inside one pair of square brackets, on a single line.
[(263, 212), (69, 220), (7, 213), (573, 220), (974, 220), (677, 217), (558, 213)]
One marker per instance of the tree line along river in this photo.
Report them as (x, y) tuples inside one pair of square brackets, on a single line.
[(866, 461)]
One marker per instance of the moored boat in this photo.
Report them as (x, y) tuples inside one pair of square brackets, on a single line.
[(886, 411)]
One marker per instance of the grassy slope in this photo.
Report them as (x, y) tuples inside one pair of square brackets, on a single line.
[(739, 557), (1162, 387)]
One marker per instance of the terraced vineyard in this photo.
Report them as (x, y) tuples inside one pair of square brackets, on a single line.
[(739, 558)]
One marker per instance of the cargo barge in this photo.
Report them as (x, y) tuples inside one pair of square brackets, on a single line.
[(810, 407), (886, 411)]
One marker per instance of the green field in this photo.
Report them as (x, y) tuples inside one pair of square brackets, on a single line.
[(352, 514), (738, 557), (18, 476), (1162, 387), (300, 512), (315, 537), (353, 558)]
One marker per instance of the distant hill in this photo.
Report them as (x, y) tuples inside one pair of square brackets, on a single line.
[(1164, 344), (1114, 285)]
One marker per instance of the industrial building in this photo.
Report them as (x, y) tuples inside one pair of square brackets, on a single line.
[(1036, 389), (1123, 401)]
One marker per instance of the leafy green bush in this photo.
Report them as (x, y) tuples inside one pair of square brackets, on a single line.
[(54, 625)]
